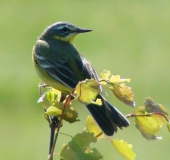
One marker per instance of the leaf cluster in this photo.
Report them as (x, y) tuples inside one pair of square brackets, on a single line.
[(148, 118)]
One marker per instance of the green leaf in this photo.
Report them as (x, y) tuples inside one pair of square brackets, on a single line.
[(53, 96), (78, 148), (70, 114), (124, 149)]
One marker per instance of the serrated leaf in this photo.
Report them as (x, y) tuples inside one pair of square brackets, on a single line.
[(124, 94), (70, 115), (78, 148), (116, 79), (148, 125), (124, 149), (93, 128), (152, 107), (87, 91), (104, 76)]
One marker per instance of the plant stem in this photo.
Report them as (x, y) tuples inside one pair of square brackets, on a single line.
[(53, 126), (50, 157)]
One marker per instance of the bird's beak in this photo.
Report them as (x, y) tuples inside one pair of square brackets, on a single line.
[(83, 30)]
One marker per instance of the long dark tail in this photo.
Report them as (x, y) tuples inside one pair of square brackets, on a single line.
[(107, 117)]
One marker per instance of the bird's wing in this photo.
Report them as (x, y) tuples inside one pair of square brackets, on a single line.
[(56, 67), (87, 69)]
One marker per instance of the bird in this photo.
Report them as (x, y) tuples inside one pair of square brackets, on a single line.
[(60, 65)]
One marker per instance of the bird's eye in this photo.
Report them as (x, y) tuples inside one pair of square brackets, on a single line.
[(65, 29)]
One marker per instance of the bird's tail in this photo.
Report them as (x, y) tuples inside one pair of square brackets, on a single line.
[(107, 117)]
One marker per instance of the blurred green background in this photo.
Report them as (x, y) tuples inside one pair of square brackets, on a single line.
[(130, 38)]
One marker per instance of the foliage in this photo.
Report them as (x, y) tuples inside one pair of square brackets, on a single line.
[(148, 118), (78, 148), (124, 149)]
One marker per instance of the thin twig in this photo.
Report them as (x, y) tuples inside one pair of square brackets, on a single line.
[(148, 114), (59, 124)]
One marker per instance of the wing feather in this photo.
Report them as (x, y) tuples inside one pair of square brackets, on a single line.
[(66, 68)]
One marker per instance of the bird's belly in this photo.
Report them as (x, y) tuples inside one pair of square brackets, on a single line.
[(50, 81)]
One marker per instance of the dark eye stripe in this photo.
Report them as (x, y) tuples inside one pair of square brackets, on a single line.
[(65, 29)]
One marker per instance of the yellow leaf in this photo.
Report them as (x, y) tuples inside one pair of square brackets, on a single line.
[(116, 79), (124, 149), (70, 115), (104, 76), (87, 91), (92, 127), (53, 111), (97, 102), (148, 125), (123, 93)]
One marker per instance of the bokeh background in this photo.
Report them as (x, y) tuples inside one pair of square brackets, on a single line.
[(130, 38)]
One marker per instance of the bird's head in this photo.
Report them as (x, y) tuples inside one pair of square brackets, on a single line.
[(63, 31)]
